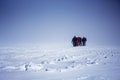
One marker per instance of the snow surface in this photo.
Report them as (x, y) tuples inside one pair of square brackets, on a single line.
[(68, 63)]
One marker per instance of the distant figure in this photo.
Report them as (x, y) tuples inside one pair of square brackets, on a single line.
[(84, 39), (78, 41), (74, 40)]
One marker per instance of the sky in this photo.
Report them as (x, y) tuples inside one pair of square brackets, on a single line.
[(57, 21)]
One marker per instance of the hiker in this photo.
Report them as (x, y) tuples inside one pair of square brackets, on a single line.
[(84, 39), (74, 40), (78, 41)]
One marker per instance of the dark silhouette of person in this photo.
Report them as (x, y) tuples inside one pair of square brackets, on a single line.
[(84, 39), (78, 41), (74, 40)]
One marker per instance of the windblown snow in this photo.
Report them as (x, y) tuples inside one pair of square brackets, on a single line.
[(73, 63)]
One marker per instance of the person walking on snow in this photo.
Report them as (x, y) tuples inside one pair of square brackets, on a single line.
[(84, 39)]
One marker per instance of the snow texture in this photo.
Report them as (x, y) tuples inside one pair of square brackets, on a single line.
[(73, 63)]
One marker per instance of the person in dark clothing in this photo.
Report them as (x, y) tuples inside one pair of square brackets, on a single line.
[(84, 39), (74, 40)]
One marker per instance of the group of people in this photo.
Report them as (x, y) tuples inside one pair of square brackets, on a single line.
[(78, 41)]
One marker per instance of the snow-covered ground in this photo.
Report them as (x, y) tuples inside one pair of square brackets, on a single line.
[(69, 63)]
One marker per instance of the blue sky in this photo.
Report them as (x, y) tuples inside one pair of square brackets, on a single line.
[(57, 21)]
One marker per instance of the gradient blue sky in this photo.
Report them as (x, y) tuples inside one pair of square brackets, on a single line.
[(57, 21)]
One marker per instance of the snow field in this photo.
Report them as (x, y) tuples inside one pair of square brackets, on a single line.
[(75, 63)]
